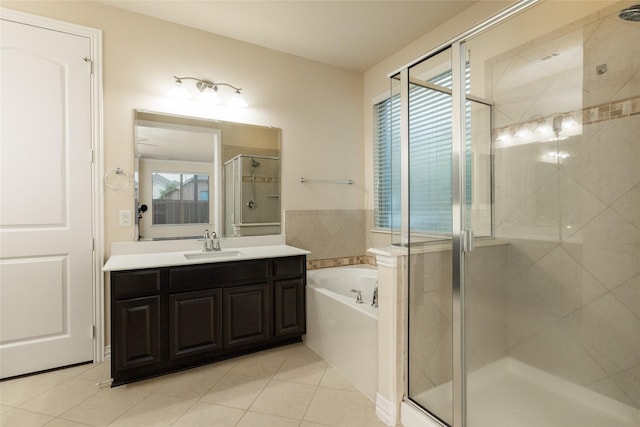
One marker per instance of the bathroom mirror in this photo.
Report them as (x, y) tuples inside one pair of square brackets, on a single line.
[(193, 174)]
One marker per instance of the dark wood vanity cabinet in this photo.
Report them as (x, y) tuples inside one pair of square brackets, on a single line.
[(172, 318)]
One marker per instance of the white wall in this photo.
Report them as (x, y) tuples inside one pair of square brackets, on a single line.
[(317, 106)]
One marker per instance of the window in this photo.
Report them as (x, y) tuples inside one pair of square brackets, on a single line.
[(180, 198), (386, 163), (430, 159)]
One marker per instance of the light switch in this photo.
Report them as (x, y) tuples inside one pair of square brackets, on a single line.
[(125, 218)]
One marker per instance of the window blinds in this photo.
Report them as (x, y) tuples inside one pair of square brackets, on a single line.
[(430, 159)]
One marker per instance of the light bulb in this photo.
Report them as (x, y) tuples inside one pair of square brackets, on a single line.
[(210, 96), (237, 100), (178, 91)]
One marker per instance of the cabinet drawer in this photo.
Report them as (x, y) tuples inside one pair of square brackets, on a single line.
[(205, 276), (135, 283), (290, 266)]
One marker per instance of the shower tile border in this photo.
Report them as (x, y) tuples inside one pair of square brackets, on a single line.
[(604, 112)]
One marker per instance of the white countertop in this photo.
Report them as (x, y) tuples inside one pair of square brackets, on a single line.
[(167, 259)]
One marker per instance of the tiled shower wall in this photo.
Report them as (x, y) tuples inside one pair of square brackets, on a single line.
[(573, 303)]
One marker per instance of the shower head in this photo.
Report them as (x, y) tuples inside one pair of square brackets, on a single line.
[(631, 13), (254, 163)]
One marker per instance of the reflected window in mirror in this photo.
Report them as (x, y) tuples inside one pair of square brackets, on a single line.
[(180, 198)]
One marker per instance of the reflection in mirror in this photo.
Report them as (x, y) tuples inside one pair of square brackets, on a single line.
[(194, 174)]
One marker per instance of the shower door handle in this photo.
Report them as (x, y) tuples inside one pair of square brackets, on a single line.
[(468, 241)]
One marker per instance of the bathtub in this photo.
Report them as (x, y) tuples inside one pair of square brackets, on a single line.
[(344, 333)]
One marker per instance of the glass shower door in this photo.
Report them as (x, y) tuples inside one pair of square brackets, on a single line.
[(433, 296), (429, 153), (551, 303)]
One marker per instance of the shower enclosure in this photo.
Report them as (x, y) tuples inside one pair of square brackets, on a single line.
[(520, 160), (252, 195)]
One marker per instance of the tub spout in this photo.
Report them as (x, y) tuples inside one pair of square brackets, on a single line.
[(358, 295)]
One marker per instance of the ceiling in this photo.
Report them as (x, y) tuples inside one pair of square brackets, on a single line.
[(354, 35)]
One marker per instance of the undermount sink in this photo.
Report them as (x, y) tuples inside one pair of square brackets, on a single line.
[(212, 255)]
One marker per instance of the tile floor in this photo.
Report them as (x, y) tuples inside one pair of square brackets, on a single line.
[(282, 387)]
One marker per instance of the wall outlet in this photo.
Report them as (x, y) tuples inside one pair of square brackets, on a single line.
[(125, 218)]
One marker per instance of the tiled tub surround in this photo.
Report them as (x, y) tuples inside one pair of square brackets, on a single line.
[(328, 234), (573, 298), (336, 238)]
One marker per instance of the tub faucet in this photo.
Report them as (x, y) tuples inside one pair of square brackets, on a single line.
[(358, 295), (374, 303)]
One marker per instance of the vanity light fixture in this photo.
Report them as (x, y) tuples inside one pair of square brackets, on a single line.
[(208, 92), (178, 91)]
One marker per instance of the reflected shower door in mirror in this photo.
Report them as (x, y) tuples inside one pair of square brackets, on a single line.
[(182, 184)]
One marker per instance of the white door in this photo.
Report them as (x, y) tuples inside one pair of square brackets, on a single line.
[(46, 242)]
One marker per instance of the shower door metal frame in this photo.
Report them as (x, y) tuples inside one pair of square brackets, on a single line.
[(462, 240)]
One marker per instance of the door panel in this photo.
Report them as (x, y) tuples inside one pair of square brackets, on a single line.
[(39, 83), (43, 297), (46, 247)]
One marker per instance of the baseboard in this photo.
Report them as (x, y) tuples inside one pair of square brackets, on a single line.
[(386, 410)]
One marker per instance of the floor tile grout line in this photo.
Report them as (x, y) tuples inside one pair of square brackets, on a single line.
[(79, 403), (233, 407), (315, 392), (42, 394), (193, 403), (36, 396), (66, 421)]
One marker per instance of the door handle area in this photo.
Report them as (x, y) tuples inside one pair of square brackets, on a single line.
[(468, 241)]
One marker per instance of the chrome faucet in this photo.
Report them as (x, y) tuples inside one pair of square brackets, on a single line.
[(208, 243), (374, 303), (215, 243), (358, 295), (211, 242)]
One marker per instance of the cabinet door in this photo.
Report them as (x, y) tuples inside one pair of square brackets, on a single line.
[(195, 323), (136, 333), (289, 306), (246, 315)]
